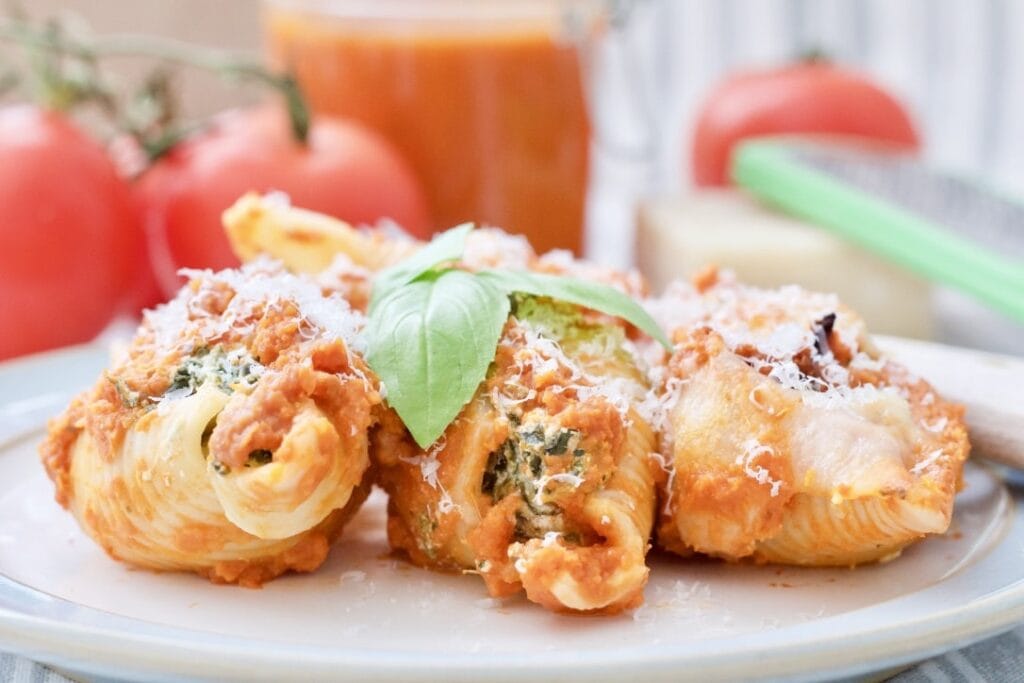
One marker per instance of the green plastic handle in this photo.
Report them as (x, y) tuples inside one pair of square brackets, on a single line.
[(768, 168)]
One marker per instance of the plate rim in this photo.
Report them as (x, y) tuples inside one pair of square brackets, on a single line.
[(216, 655)]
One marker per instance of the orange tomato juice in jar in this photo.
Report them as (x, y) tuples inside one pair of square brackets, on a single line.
[(486, 99)]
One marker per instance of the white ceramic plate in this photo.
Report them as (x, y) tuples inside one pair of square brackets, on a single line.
[(365, 615)]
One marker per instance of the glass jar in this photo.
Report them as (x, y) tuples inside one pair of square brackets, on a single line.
[(486, 99)]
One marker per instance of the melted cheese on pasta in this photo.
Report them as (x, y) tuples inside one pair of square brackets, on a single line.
[(788, 440)]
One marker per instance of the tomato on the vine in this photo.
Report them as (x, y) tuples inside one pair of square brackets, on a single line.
[(808, 97), (343, 170), (69, 236)]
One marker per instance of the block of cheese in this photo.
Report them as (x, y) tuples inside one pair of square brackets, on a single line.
[(678, 235)]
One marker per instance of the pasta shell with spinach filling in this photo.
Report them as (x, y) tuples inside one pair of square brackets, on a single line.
[(544, 482), (788, 439), (232, 438)]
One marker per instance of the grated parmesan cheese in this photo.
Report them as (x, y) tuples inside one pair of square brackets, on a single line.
[(446, 504), (352, 576), (928, 462), (752, 449), (428, 462), (541, 356), (664, 460), (258, 286), (568, 478), (429, 467), (550, 539), (494, 248), (778, 325)]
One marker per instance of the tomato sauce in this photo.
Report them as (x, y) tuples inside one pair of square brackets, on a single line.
[(492, 115)]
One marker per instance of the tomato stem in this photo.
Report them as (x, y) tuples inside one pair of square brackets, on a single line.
[(9, 80), (61, 93), (815, 55)]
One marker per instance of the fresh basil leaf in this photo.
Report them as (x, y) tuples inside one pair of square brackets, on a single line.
[(593, 295), (444, 248), (431, 342)]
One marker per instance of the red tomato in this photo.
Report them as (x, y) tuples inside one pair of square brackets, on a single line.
[(344, 170), (69, 238), (143, 290), (811, 97)]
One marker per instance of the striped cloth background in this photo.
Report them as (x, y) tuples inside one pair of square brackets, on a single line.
[(957, 64)]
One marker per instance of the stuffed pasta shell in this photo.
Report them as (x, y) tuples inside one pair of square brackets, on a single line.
[(544, 482), (231, 438), (788, 439), (310, 242)]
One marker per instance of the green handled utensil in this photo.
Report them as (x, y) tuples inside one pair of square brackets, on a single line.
[(947, 228)]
